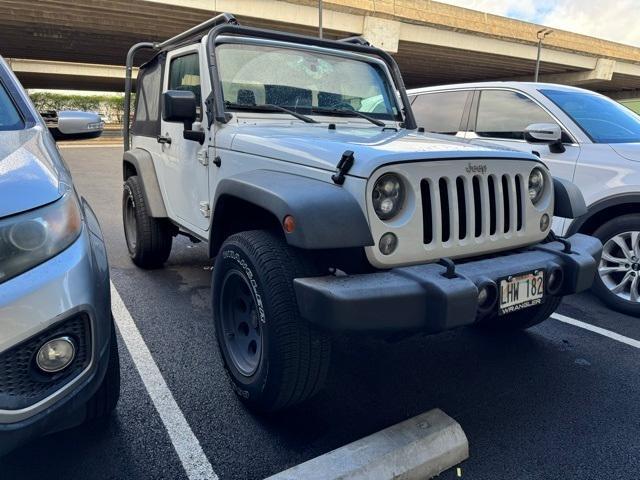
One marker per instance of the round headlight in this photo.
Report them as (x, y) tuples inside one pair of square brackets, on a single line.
[(536, 185), (388, 196)]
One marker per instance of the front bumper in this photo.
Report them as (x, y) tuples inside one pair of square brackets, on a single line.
[(422, 298), (67, 412), (46, 301)]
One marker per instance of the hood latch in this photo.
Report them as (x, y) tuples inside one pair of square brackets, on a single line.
[(343, 167)]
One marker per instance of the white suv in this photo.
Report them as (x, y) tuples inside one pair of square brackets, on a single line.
[(583, 137), (299, 162)]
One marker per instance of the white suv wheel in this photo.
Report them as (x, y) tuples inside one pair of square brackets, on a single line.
[(619, 268)]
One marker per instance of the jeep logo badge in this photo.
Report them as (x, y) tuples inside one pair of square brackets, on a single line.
[(476, 168)]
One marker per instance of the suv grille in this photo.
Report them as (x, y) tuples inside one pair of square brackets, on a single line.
[(475, 207), (22, 384)]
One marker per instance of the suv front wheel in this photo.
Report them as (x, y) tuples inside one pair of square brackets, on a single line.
[(618, 280), (148, 239), (274, 358)]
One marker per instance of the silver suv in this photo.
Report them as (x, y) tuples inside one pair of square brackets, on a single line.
[(58, 351), (583, 137)]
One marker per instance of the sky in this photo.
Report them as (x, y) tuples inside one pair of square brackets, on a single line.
[(616, 20)]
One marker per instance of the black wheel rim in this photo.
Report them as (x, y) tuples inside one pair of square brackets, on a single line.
[(240, 322), (130, 226)]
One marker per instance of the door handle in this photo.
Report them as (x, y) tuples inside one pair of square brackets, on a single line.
[(164, 139)]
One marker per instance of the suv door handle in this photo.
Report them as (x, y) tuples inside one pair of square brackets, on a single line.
[(164, 139)]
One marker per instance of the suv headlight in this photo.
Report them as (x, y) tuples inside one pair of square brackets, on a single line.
[(388, 196), (28, 239), (536, 185)]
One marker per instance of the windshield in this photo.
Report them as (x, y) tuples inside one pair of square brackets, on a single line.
[(602, 119), (304, 81), (10, 119)]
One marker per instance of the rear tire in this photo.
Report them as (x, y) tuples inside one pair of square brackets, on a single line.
[(105, 400), (523, 319), (623, 229), (275, 359), (148, 239)]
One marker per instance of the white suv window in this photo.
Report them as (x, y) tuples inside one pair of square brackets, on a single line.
[(505, 114), (440, 112)]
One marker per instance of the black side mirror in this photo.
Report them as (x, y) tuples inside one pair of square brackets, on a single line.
[(181, 106)]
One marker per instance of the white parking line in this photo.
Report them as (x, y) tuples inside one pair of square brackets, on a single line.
[(187, 446), (592, 328)]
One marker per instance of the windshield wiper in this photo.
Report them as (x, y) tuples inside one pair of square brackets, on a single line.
[(344, 111), (268, 107)]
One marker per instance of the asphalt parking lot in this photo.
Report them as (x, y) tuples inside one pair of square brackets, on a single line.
[(558, 401)]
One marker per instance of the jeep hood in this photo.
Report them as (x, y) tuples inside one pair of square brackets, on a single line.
[(29, 178), (317, 146)]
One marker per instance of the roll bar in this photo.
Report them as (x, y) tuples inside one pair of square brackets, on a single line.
[(227, 24), (194, 32), (215, 102)]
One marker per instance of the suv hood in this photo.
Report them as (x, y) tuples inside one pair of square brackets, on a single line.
[(317, 146), (630, 151), (29, 178)]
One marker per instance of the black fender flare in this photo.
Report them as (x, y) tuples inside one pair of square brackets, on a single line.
[(326, 215), (600, 205), (142, 161), (568, 199)]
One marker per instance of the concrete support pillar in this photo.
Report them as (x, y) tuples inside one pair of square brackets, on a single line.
[(382, 33)]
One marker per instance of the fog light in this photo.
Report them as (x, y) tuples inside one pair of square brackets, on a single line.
[(388, 243), (544, 222), (483, 295), (56, 355)]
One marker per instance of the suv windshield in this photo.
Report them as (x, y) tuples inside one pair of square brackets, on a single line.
[(10, 119), (304, 81), (603, 120)]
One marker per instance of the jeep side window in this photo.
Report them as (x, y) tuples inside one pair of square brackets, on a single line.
[(506, 114), (184, 74), (440, 112)]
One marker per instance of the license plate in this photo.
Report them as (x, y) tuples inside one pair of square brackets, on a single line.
[(521, 291)]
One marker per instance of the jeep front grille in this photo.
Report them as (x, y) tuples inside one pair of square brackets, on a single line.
[(459, 209)]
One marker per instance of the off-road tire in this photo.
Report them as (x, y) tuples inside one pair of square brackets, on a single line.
[(105, 400), (624, 223), (151, 246), (294, 355), (523, 319)]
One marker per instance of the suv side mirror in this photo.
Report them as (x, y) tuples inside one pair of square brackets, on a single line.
[(545, 133), (181, 106)]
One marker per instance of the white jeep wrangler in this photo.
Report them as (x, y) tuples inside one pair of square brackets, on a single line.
[(298, 160)]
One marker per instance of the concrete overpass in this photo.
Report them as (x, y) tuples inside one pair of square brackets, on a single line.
[(65, 44)]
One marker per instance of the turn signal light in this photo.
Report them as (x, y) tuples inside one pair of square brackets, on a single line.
[(289, 224)]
